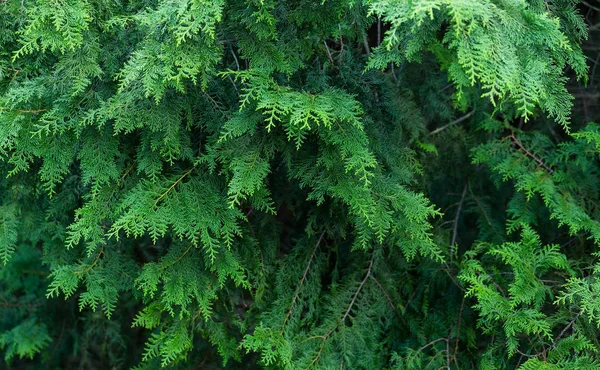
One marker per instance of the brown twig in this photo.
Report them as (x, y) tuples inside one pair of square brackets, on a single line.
[(462, 305), (32, 111), (456, 121), (93, 263), (324, 337), (297, 293), (359, 289), (173, 185), (328, 52), (565, 330), (526, 355), (455, 229), (386, 295), (432, 343), (529, 154)]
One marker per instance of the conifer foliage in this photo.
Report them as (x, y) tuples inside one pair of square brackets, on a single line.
[(296, 184)]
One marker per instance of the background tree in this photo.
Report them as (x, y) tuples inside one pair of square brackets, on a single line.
[(379, 184)]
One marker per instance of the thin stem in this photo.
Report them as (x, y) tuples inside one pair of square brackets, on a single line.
[(455, 229), (237, 63), (386, 295), (590, 6), (526, 355), (378, 31), (456, 121), (297, 293), (448, 349), (359, 288), (328, 52), (462, 305), (324, 337), (366, 44), (32, 111), (565, 330), (432, 343), (93, 263), (529, 154), (173, 185)]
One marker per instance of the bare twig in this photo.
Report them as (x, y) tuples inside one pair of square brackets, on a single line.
[(80, 272), (386, 295), (328, 52), (324, 337), (526, 355), (409, 300), (462, 305), (590, 6), (237, 63), (359, 289), (378, 31), (455, 230), (366, 44), (456, 121), (297, 293), (341, 52), (565, 330), (394, 74), (432, 343), (173, 185), (237, 92), (529, 154), (32, 111), (448, 348)]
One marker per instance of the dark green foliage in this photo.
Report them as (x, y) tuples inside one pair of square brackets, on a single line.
[(379, 184)]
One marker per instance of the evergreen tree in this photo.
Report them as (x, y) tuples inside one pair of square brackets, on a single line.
[(295, 184)]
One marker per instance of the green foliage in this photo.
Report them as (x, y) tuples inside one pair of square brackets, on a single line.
[(382, 184)]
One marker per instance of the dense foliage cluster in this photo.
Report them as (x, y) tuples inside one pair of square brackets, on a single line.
[(297, 184)]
